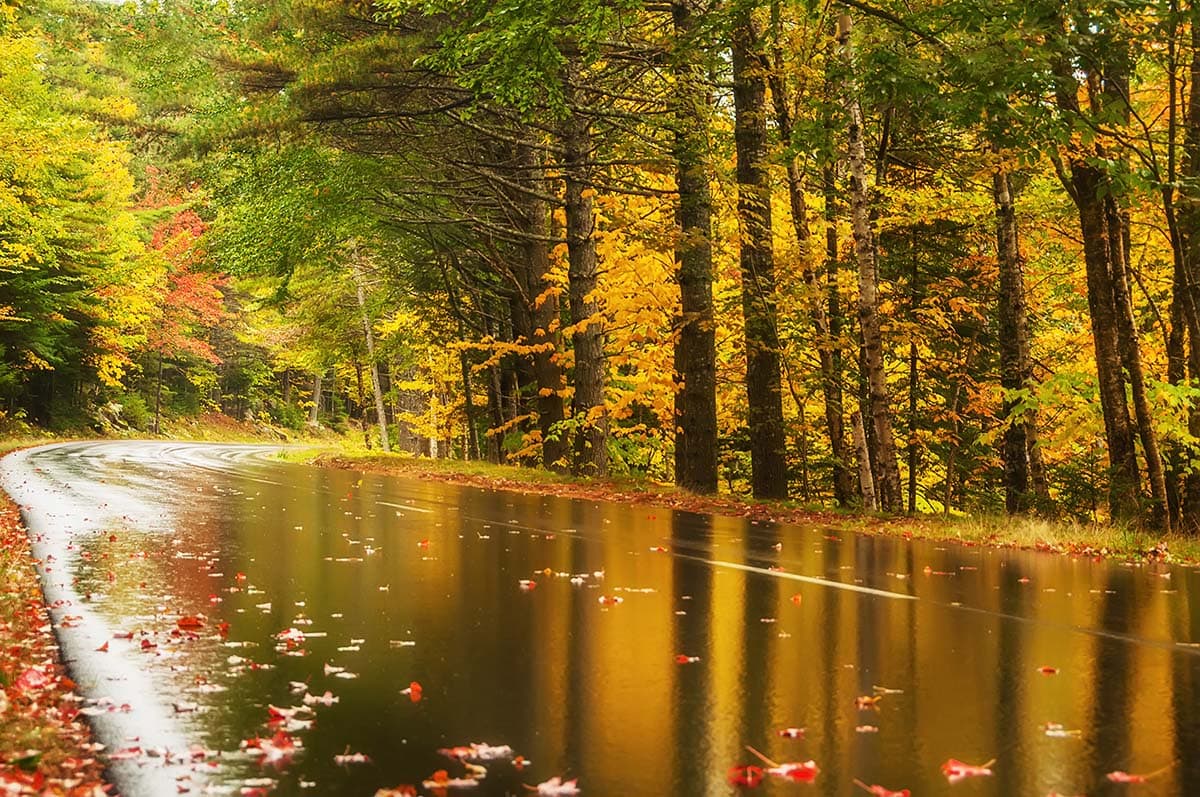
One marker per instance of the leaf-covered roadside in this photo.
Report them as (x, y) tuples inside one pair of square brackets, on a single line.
[(45, 747), (1095, 541)]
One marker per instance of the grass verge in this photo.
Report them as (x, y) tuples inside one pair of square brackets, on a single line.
[(1095, 540)]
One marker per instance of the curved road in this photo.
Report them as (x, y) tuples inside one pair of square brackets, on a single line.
[(1062, 669)]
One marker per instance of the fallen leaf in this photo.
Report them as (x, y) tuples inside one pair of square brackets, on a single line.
[(1126, 777), (557, 786), (956, 770), (745, 775), (881, 791), (805, 772), (413, 691), (1056, 731), (350, 758)]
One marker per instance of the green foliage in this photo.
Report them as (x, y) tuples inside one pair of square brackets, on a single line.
[(515, 51)]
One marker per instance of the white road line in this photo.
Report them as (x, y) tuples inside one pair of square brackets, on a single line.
[(405, 506), (824, 582)]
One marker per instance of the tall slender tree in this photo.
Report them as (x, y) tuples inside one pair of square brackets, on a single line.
[(763, 384), (883, 456), (695, 346)]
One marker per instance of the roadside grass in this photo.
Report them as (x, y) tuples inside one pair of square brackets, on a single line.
[(1028, 532), (1105, 539)]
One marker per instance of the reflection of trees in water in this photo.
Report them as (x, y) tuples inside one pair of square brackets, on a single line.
[(693, 637), (1185, 675)]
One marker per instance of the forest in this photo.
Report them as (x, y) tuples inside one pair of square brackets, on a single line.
[(938, 256)]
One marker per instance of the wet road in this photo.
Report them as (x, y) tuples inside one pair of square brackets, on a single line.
[(1061, 669)]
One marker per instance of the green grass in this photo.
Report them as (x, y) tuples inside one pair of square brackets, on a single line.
[(1101, 539)]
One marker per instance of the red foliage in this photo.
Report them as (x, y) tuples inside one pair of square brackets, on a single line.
[(193, 302)]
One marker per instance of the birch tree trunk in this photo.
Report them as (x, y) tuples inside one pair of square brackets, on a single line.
[(373, 364), (866, 481), (888, 486)]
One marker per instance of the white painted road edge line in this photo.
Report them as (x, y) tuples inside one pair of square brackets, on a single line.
[(824, 582), (405, 506)]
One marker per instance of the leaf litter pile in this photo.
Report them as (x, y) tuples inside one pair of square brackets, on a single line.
[(45, 747), (265, 761)]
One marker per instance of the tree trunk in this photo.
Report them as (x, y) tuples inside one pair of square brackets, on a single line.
[(831, 380), (695, 347), (1013, 345), (913, 449), (158, 394), (866, 481), (763, 385), (843, 478), (314, 414), (1131, 357), (471, 449), (372, 363), (590, 449), (868, 302), (1188, 244), (1088, 184), (362, 403), (495, 441), (535, 316)]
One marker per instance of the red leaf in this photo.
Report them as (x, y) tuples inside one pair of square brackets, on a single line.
[(745, 775), (881, 791), (31, 680), (413, 691), (800, 773), (956, 770), (190, 622)]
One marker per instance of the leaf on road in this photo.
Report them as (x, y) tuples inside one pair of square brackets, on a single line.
[(956, 770)]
